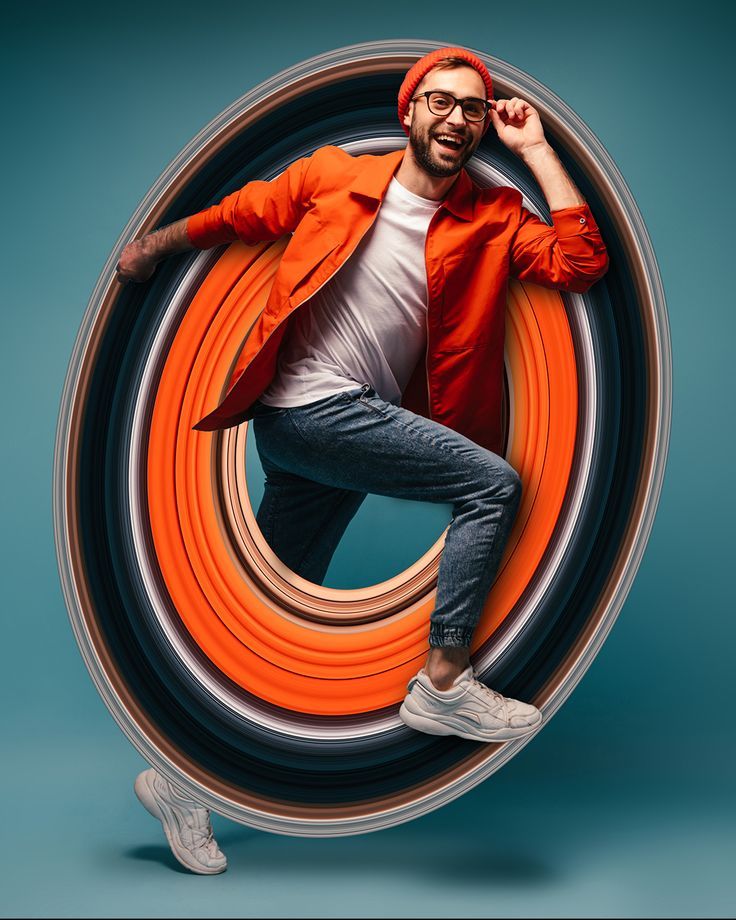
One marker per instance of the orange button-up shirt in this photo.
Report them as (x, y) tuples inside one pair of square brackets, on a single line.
[(476, 240)]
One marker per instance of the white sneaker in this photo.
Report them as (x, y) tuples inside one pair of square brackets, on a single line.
[(186, 823), (468, 709)]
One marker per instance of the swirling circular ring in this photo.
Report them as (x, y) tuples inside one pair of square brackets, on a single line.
[(273, 700)]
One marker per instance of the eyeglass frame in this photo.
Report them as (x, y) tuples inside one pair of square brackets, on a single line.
[(458, 102)]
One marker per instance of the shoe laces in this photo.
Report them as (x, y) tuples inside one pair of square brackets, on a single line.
[(198, 822), (196, 818), (498, 698)]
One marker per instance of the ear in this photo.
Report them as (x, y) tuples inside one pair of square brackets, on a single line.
[(408, 115)]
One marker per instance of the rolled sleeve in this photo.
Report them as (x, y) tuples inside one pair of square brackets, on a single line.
[(570, 255), (257, 212)]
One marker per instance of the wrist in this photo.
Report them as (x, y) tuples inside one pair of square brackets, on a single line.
[(536, 151), (150, 247)]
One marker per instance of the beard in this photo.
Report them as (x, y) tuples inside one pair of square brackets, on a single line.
[(421, 144)]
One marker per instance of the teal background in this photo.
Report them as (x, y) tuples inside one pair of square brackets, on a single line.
[(624, 804)]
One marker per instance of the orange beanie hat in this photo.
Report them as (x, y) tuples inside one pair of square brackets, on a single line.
[(422, 67)]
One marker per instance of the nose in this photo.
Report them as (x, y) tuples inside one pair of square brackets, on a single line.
[(456, 116)]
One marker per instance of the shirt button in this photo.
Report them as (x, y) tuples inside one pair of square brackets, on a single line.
[(582, 220)]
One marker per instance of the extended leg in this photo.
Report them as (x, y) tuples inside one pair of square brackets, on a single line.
[(303, 521)]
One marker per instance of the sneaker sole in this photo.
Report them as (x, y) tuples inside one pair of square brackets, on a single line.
[(431, 726), (148, 798)]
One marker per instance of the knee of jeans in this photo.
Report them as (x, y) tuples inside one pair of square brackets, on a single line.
[(500, 480), (516, 486)]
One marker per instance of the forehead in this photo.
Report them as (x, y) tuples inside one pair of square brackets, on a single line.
[(460, 81)]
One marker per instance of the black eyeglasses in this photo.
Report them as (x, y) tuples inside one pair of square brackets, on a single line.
[(441, 103)]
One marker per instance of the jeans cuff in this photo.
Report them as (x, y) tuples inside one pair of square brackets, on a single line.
[(445, 637)]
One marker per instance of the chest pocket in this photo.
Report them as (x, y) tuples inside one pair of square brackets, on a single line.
[(473, 294)]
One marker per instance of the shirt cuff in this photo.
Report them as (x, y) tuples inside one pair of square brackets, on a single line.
[(205, 231), (574, 221)]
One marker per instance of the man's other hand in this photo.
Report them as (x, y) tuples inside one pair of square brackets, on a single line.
[(136, 262)]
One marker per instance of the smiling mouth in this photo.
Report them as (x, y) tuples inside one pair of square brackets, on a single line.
[(449, 143)]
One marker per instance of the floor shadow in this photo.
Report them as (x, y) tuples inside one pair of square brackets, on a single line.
[(468, 861), (404, 853), (157, 854)]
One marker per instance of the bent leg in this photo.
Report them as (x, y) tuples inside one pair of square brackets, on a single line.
[(358, 442)]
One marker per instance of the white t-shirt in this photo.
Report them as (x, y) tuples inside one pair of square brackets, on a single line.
[(368, 323)]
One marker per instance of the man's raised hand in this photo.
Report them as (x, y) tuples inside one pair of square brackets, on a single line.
[(517, 124)]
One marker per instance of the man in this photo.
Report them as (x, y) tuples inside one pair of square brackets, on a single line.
[(377, 364)]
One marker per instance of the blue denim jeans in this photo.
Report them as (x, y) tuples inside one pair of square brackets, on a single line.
[(322, 459)]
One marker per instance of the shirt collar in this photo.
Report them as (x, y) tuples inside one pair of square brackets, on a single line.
[(375, 176)]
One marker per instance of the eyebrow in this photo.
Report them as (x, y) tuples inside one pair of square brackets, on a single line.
[(447, 91)]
